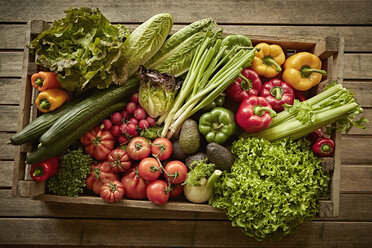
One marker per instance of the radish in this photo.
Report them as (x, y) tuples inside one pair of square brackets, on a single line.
[(116, 118), (132, 129), (124, 128), (126, 115), (115, 130), (131, 107), (134, 98), (123, 140), (143, 124), (134, 121), (140, 113), (151, 121), (106, 125)]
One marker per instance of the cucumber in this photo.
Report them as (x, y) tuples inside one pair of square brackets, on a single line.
[(87, 109), (38, 126), (65, 141)]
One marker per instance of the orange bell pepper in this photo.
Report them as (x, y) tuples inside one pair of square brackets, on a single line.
[(303, 71), (268, 60), (45, 80), (51, 99)]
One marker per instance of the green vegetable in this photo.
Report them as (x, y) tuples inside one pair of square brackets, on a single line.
[(272, 187), (235, 40), (210, 74), (146, 40), (86, 110), (157, 91), (41, 124), (151, 133), (175, 56), (72, 172), (84, 48), (200, 181), (67, 139), (218, 102), (335, 105), (217, 125)]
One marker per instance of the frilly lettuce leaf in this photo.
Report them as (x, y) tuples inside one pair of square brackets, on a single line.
[(272, 187), (84, 49)]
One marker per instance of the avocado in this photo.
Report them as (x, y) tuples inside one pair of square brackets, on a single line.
[(178, 154), (196, 157), (220, 156), (189, 137)]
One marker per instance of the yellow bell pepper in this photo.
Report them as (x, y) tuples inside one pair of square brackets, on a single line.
[(51, 99), (268, 60), (303, 71)]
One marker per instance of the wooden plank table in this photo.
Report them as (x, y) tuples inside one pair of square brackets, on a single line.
[(31, 222)]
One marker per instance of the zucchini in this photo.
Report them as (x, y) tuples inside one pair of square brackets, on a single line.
[(64, 142), (38, 126), (85, 110)]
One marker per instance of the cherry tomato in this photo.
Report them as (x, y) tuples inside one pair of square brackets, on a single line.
[(138, 148), (140, 113), (112, 191), (134, 186), (149, 169), (157, 192), (177, 171), (131, 107), (162, 147), (177, 190)]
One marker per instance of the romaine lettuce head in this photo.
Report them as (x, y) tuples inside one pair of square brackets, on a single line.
[(157, 91), (84, 49)]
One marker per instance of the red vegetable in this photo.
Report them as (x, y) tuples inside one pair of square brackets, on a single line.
[(277, 93), (323, 147), (119, 160), (115, 130), (126, 115), (177, 171), (40, 172), (116, 118), (158, 192), (162, 147), (134, 186), (177, 190), (150, 120), (134, 98), (144, 124), (316, 135), (149, 169), (131, 107), (100, 174), (123, 140), (254, 114), (98, 143), (248, 84), (44, 80), (299, 96), (138, 148), (106, 125), (112, 191), (140, 113)]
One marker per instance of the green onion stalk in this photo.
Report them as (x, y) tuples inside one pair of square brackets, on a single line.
[(200, 88)]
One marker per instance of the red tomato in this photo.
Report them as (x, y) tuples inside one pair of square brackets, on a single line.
[(98, 143), (162, 147), (119, 160), (157, 192), (138, 148), (99, 174), (112, 191), (134, 186), (177, 171), (149, 169), (177, 190)]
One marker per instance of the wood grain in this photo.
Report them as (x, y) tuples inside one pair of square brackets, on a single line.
[(280, 12), (11, 64), (9, 90), (12, 36), (356, 178), (8, 118), (6, 173), (362, 91), (356, 150), (7, 151), (184, 233)]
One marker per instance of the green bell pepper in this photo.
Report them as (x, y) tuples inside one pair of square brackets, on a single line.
[(218, 102), (217, 125)]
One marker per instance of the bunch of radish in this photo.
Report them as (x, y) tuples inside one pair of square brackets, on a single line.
[(128, 123)]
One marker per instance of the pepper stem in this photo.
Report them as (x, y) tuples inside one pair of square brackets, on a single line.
[(325, 148), (38, 172), (218, 126), (260, 111), (307, 70), (39, 82), (268, 60), (277, 92), (245, 84), (44, 104)]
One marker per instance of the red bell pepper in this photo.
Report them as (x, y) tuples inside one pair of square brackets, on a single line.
[(323, 147), (316, 135), (247, 84), (100, 174), (299, 96), (98, 143), (42, 171), (254, 114), (277, 93)]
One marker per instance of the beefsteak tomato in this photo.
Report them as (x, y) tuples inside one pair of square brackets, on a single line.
[(134, 185), (98, 143), (112, 191), (100, 174), (119, 160)]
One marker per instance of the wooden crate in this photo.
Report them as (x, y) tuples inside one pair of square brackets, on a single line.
[(329, 49)]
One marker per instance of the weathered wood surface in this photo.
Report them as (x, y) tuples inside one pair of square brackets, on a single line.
[(74, 224)]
